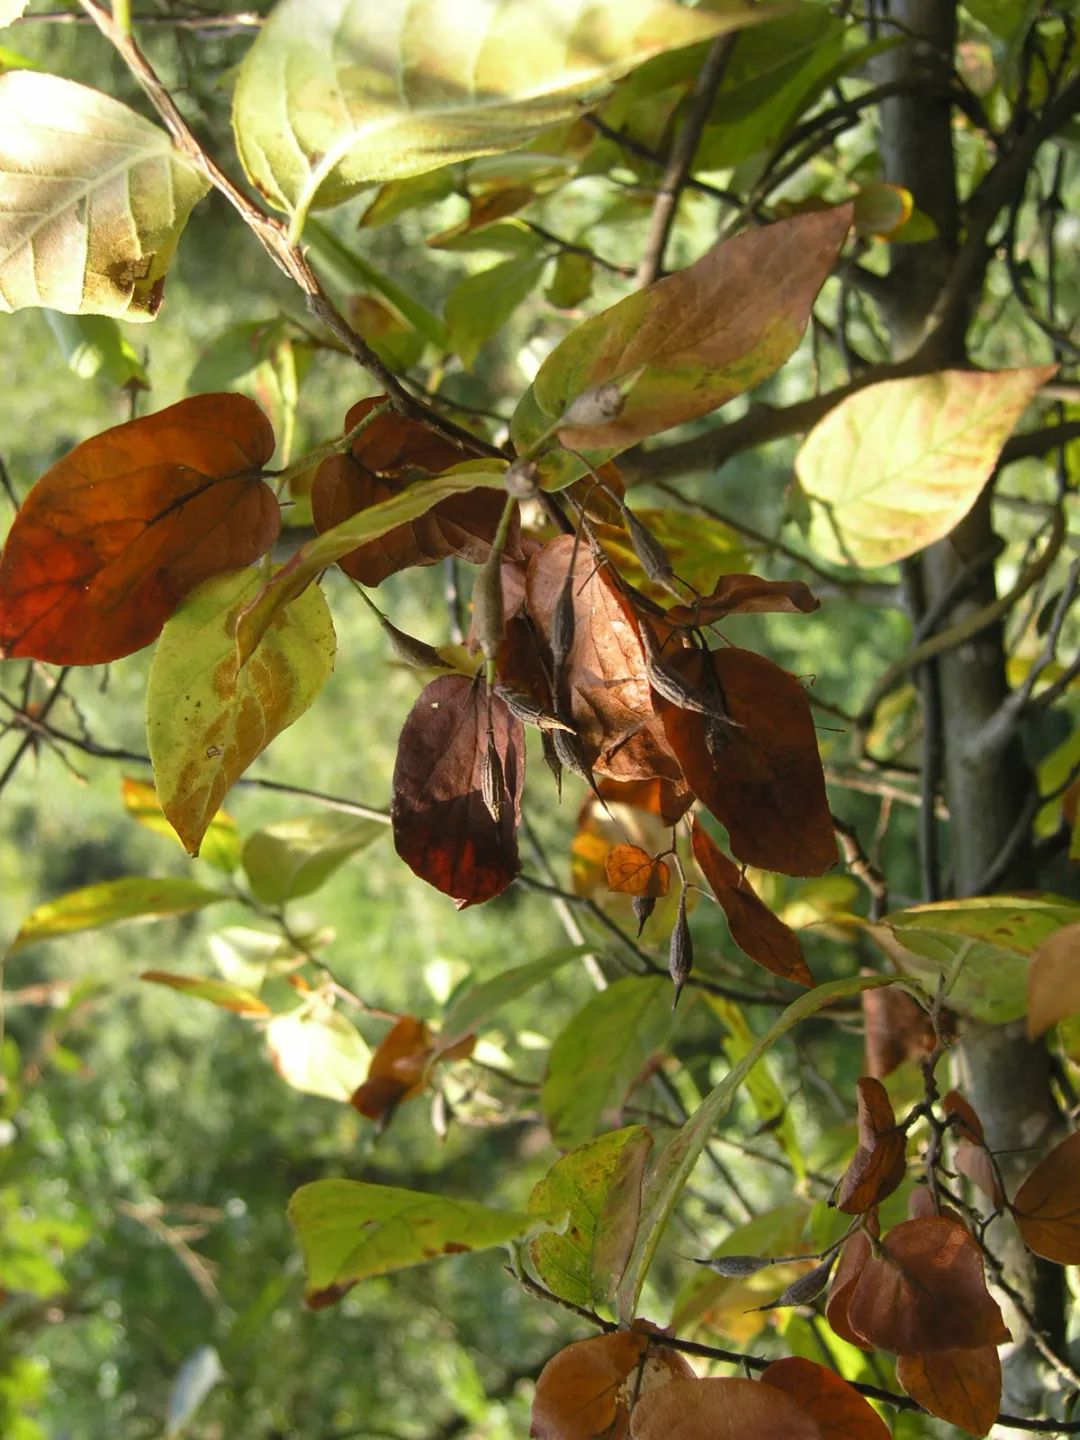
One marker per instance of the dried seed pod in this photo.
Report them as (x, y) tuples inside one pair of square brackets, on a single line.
[(522, 479), (673, 686), (410, 650), (736, 1267), (551, 758), (643, 905), (568, 748), (528, 711), (492, 780), (597, 406), (681, 954), (652, 555), (806, 1288)]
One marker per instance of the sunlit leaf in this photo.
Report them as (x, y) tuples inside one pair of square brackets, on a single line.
[(207, 718), (878, 1165), (633, 871), (295, 857), (317, 1051), (400, 1068), (720, 1410), (111, 539), (475, 1006), (218, 992), (582, 1392), (94, 345), (896, 465), (349, 1230), (132, 897), (221, 844), (93, 199)]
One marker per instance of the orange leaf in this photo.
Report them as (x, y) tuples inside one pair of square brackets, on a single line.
[(745, 595), (879, 1162), (582, 1392), (962, 1387), (754, 928), (111, 539), (633, 871), (670, 799), (897, 1029), (391, 453), (444, 828), (1047, 1205), (925, 1291), (840, 1411), (764, 782), (1054, 980), (720, 1410)]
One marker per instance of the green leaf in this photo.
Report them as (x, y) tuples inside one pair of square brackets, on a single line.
[(357, 272), (480, 305), (672, 1167), (335, 95), (132, 897), (317, 1051), (981, 946), (896, 466), (93, 344), (315, 555), (93, 199), (294, 857), (476, 1004), (205, 987), (765, 1093), (685, 345), (260, 359), (598, 1056), (578, 1263), (349, 1230), (572, 280), (207, 718)]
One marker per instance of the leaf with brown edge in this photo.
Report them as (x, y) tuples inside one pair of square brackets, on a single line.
[(390, 454), (611, 701), (896, 1029), (925, 1291), (1047, 1205), (720, 1410), (764, 780), (400, 1067), (746, 595), (1054, 980), (962, 1387), (443, 828), (111, 539), (879, 1163), (633, 871), (840, 1411), (853, 1258), (754, 928), (582, 1392)]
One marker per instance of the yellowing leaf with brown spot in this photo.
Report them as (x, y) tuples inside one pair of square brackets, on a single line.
[(207, 718)]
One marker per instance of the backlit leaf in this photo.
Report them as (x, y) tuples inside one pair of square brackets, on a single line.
[(317, 1051), (111, 539), (895, 466), (400, 1067), (754, 928), (385, 458), (633, 871), (94, 345), (1054, 980), (208, 718), (221, 843), (698, 337), (336, 94), (720, 1410), (93, 199), (294, 857), (579, 1264), (1047, 1205), (444, 828), (764, 783), (746, 595), (962, 1387), (132, 897), (596, 1059), (840, 1411), (896, 1029), (878, 1165), (349, 1230), (203, 987)]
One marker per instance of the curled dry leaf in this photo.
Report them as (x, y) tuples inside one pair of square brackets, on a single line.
[(925, 1291), (585, 1391), (879, 1162), (754, 928), (839, 1410), (1054, 980), (1047, 1205), (720, 1410), (962, 1387), (111, 539), (633, 871), (745, 595), (443, 829), (896, 1028), (393, 452), (399, 1068), (765, 784), (972, 1158)]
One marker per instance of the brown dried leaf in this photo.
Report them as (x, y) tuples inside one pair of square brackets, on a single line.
[(582, 1392), (853, 1260), (962, 1387), (443, 829), (754, 928), (400, 1066), (670, 799), (1047, 1205), (389, 455), (840, 1411), (1054, 981), (765, 784), (745, 595), (879, 1162), (897, 1029), (633, 871), (720, 1410)]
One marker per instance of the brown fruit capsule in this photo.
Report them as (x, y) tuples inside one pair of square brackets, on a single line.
[(492, 780), (806, 1288), (644, 905), (681, 954), (551, 758)]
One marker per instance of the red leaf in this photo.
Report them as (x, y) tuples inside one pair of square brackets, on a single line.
[(745, 595), (925, 1291), (879, 1163), (444, 829), (897, 1029), (754, 928), (840, 1411), (1047, 1205), (765, 784), (390, 454), (633, 871), (962, 1387), (111, 539), (720, 1410)]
